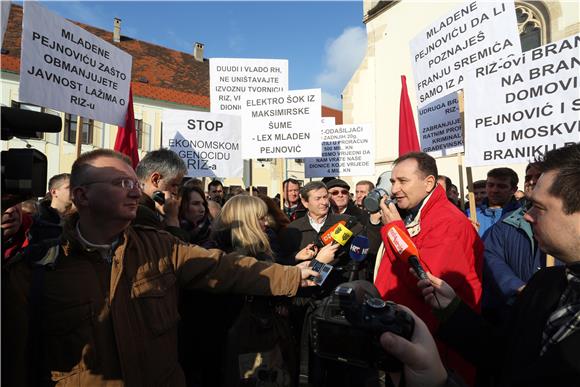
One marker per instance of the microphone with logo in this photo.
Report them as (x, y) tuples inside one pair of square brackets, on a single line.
[(406, 250), (326, 236), (359, 248)]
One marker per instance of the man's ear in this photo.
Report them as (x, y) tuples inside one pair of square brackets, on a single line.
[(155, 178), (430, 182), (304, 202)]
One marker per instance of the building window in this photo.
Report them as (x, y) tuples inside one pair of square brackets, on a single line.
[(532, 26), (139, 132), (70, 129)]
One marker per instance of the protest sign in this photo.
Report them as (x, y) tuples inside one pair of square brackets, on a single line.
[(520, 108), (208, 143), (347, 150), (66, 68), (285, 125), (230, 78), (440, 127), (476, 33)]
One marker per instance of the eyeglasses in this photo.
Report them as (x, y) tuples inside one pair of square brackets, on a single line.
[(125, 183), (343, 191)]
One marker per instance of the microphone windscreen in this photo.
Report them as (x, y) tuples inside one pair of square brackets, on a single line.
[(341, 234), (401, 242), (326, 237), (359, 248)]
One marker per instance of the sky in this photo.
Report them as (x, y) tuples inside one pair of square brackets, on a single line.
[(324, 41)]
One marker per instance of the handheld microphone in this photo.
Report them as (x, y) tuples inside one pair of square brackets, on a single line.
[(405, 248), (359, 248), (326, 237), (342, 233)]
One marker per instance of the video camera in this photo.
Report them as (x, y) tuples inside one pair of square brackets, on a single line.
[(24, 170), (346, 326)]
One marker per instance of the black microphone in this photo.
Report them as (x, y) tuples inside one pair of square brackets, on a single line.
[(359, 249)]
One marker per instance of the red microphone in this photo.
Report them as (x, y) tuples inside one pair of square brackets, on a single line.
[(405, 248), (326, 237)]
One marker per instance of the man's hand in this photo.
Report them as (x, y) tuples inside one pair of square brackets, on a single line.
[(422, 365), (436, 286), (389, 213), (306, 253), (326, 254), (306, 273), (170, 210)]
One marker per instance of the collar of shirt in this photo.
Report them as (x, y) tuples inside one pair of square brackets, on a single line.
[(106, 251), (315, 225)]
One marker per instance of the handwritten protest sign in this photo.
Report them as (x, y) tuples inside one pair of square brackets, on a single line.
[(285, 125), (208, 143), (230, 78), (520, 108), (347, 150), (476, 33), (66, 68)]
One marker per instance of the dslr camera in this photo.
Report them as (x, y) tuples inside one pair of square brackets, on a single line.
[(346, 326)]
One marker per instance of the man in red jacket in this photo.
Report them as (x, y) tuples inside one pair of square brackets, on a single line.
[(447, 242)]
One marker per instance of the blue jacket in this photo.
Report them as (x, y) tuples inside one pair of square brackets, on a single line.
[(487, 217), (511, 257)]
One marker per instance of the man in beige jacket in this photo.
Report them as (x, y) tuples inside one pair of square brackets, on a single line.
[(101, 307)]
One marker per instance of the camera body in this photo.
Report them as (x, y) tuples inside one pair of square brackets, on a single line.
[(346, 326)]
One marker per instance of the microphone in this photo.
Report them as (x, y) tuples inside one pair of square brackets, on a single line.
[(326, 237), (342, 232), (405, 248), (359, 248)]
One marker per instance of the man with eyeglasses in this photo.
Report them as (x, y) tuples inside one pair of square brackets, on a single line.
[(161, 171), (339, 194), (100, 308), (511, 257)]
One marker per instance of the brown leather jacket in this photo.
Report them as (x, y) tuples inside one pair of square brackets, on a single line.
[(114, 324)]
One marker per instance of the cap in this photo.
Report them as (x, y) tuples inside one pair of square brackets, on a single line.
[(337, 183)]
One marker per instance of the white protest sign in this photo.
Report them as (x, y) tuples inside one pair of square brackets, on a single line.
[(440, 127), (208, 143), (4, 13), (347, 150), (285, 125), (66, 68), (518, 109), (230, 78), (477, 33)]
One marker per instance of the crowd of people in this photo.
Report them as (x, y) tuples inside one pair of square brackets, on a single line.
[(143, 277)]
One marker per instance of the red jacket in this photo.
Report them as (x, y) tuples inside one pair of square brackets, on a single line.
[(449, 248)]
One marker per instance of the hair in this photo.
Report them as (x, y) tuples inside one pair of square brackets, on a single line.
[(214, 183), (290, 180), (535, 164), (57, 180), (426, 164), (505, 173), (163, 161), (191, 181), (277, 220), (448, 182), (312, 186), (185, 194), (79, 168), (369, 184), (565, 162), (479, 184), (240, 217)]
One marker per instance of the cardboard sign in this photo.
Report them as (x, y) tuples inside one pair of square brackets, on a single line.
[(347, 150), (440, 127), (476, 33), (208, 143), (66, 68), (519, 109), (231, 78), (283, 125)]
